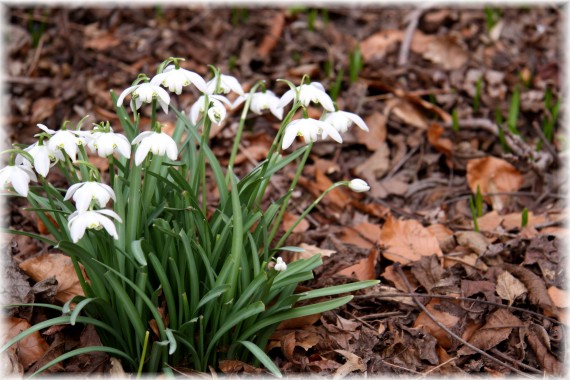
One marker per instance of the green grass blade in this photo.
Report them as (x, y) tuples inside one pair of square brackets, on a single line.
[(262, 357)]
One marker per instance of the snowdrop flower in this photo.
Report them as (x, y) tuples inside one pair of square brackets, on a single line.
[(261, 101), (217, 112), (341, 120), (42, 156), (19, 176), (314, 92), (156, 143), (175, 79), (227, 84), (310, 129), (280, 265), (146, 92), (86, 192), (65, 140), (358, 185), (107, 143), (79, 221)]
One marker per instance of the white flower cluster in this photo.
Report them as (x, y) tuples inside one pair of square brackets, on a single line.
[(59, 145)]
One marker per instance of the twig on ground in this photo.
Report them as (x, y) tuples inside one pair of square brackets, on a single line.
[(451, 333), (413, 19), (540, 160)]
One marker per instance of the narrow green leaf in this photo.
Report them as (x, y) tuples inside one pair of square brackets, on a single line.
[(262, 357), (78, 308), (338, 289), (138, 253)]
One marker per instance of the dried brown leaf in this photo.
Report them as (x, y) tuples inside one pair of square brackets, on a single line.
[(363, 235), (407, 112), (29, 349), (498, 328), (289, 219), (353, 363), (375, 138), (493, 175), (445, 318), (365, 269), (271, 39), (447, 52), (42, 109), (407, 241), (55, 265), (509, 288), (472, 240), (559, 297), (549, 363)]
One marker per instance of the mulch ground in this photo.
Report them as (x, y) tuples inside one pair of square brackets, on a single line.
[(454, 98)]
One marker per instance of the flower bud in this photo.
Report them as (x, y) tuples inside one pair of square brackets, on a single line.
[(358, 185)]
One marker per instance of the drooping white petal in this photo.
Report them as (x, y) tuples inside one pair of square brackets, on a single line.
[(124, 94), (46, 129), (20, 181), (41, 160), (72, 189), (291, 132), (109, 226), (286, 98), (110, 213), (77, 227), (141, 136), (142, 151)]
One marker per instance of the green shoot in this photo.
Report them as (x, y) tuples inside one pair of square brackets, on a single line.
[(479, 202), (492, 16), (36, 29), (328, 68), (325, 16), (455, 120), (499, 122), (312, 17), (524, 217), (335, 90), (549, 121), (514, 112), (355, 64), (473, 214)]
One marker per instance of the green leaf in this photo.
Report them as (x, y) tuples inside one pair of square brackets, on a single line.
[(78, 308), (514, 112), (138, 253), (212, 294), (171, 341), (262, 357), (295, 313), (233, 320), (338, 289), (81, 351), (29, 234)]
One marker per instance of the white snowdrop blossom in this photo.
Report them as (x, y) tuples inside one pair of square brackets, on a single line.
[(80, 221), (280, 265), (86, 192), (314, 92), (310, 129), (107, 143), (358, 185), (44, 158), (65, 140), (342, 120), (217, 112), (174, 79), (157, 143), (261, 101), (227, 83), (19, 176), (146, 92)]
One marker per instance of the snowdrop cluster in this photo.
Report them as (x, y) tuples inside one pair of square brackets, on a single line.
[(63, 145)]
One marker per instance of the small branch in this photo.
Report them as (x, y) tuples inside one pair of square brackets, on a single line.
[(413, 19), (451, 333)]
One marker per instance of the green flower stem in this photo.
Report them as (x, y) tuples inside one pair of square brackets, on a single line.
[(240, 130), (201, 157), (82, 168), (306, 212), (274, 146), (277, 221), (149, 186), (145, 346), (134, 204)]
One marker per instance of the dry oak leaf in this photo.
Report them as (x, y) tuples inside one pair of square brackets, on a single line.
[(363, 235), (375, 138), (448, 320), (447, 52), (407, 241), (310, 251), (493, 175), (499, 326), (559, 297), (365, 269), (59, 266), (31, 348), (407, 112), (509, 288), (353, 363), (289, 219), (442, 145)]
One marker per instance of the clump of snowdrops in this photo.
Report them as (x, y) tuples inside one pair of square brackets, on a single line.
[(166, 284)]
